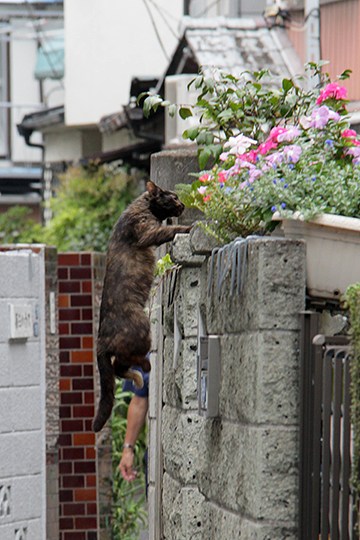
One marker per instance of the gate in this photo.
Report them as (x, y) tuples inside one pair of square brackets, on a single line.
[(326, 505)]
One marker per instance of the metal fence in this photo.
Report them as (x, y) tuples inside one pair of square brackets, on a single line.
[(326, 505)]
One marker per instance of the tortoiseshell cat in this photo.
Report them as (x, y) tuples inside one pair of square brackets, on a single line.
[(124, 329)]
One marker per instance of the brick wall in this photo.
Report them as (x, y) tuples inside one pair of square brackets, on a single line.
[(81, 457)]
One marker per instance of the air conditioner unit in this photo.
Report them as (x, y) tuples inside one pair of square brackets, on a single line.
[(176, 91)]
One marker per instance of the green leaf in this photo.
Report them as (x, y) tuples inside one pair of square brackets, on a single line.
[(203, 157), (191, 133), (287, 84), (185, 112)]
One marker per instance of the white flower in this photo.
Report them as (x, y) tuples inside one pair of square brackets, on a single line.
[(239, 145)]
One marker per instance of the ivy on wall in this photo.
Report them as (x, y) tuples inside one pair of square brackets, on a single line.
[(352, 297)]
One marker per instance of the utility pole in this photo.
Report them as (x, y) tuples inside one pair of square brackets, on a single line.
[(312, 31)]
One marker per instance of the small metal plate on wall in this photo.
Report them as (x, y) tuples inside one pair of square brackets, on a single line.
[(209, 357)]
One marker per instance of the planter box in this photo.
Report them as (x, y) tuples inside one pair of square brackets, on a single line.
[(332, 251)]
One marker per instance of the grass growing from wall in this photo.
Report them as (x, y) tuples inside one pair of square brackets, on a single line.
[(129, 514), (352, 297)]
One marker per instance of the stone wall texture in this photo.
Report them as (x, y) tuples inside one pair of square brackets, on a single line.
[(23, 372), (234, 476)]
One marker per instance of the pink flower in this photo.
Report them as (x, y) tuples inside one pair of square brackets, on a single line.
[(222, 177), (349, 133), (202, 190), (269, 144), (204, 177), (352, 135), (207, 198), (289, 135), (250, 156), (332, 90), (292, 153), (275, 159), (321, 116), (275, 132)]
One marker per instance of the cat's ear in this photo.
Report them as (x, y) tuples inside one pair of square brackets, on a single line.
[(152, 188)]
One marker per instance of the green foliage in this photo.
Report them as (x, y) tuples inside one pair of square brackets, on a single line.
[(16, 226), (129, 513), (352, 298), (86, 207), (163, 265), (301, 157)]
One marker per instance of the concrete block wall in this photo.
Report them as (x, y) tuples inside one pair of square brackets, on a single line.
[(234, 476), (84, 462), (23, 374)]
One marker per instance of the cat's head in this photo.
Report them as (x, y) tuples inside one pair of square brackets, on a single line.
[(163, 203)]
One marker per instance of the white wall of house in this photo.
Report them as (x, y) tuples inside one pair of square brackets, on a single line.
[(21, 35), (107, 43)]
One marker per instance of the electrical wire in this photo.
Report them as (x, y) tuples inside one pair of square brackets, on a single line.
[(156, 31), (207, 9), (42, 41), (161, 13)]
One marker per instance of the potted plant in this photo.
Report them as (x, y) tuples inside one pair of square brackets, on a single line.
[(283, 156)]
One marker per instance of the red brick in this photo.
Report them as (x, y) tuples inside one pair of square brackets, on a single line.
[(81, 328), (64, 384), (84, 439), (70, 343), (86, 259), (66, 523), (70, 314), (87, 342), (65, 467), (87, 314), (86, 523), (88, 425), (84, 467), (79, 300), (90, 453), (85, 494), (73, 536), (82, 356), (69, 398), (80, 273), (91, 509), (62, 273), (72, 481), (65, 412), (82, 384), (68, 259), (83, 411), (89, 397), (64, 357), (91, 481), (74, 509), (88, 371), (64, 440), (86, 286), (71, 425), (73, 453), (66, 495), (64, 329), (70, 371), (69, 287), (64, 300)]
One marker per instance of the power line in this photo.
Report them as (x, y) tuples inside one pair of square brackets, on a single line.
[(161, 13), (156, 31), (43, 43)]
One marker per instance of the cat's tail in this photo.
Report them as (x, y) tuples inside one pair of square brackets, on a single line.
[(107, 387)]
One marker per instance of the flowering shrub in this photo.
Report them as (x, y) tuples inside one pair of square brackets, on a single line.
[(307, 163)]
